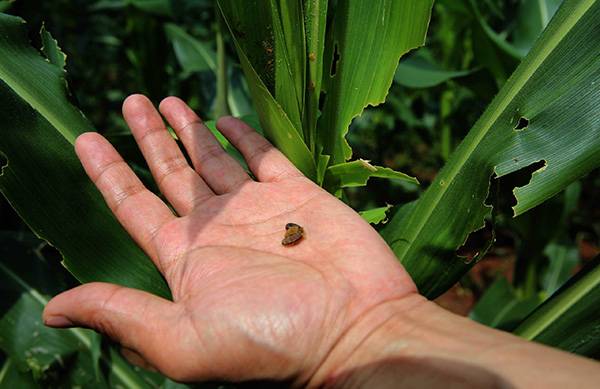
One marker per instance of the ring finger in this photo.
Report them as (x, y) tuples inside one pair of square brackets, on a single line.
[(180, 184), (220, 171)]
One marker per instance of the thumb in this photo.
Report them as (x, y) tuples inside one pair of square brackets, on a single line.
[(129, 316)]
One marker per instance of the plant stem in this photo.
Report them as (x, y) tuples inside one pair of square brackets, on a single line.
[(221, 107)]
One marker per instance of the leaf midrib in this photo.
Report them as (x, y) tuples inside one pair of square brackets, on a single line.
[(571, 297), (37, 105)]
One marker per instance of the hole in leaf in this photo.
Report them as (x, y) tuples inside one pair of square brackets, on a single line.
[(503, 198), (522, 123), (238, 31), (334, 62), (50, 253), (322, 97), (3, 162), (477, 242)]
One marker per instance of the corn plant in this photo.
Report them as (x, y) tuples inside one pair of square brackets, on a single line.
[(311, 67)]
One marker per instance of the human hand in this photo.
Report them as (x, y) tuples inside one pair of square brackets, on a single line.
[(244, 306)]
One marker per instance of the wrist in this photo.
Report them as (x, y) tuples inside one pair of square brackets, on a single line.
[(367, 341), (412, 342)]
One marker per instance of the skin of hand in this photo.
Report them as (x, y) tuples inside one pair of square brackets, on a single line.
[(334, 310), (244, 306)]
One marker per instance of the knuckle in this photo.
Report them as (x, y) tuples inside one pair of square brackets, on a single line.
[(168, 166), (149, 133), (259, 148), (250, 137), (191, 126), (115, 185), (101, 324), (209, 153), (122, 193), (101, 318), (107, 171)]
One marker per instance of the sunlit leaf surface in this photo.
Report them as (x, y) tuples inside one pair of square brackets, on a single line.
[(548, 113), (251, 29), (362, 53), (44, 180), (357, 173)]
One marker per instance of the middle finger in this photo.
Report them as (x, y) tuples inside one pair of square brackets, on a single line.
[(223, 173), (180, 184)]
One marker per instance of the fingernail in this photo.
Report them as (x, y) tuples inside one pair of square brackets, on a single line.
[(58, 321)]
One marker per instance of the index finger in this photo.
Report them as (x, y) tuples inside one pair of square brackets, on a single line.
[(140, 211)]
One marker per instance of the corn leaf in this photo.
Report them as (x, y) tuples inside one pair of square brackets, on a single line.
[(44, 180), (192, 54), (418, 72), (41, 353), (549, 110), (362, 52), (51, 49), (532, 18), (5, 5), (357, 173), (376, 215), (250, 27), (501, 306), (563, 259), (571, 317), (10, 375), (316, 21), (289, 58)]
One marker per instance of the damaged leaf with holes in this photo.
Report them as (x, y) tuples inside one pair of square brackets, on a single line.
[(310, 76), (547, 113)]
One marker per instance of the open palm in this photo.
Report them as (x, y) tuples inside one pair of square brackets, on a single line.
[(244, 305)]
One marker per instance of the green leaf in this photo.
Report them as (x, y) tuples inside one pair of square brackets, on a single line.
[(375, 215), (51, 49), (12, 377), (316, 21), (563, 260), (44, 180), (35, 347), (290, 58), (532, 18), (27, 280), (553, 97), (418, 72), (363, 50), (5, 5), (192, 54), (238, 96), (273, 119), (357, 173), (501, 307), (498, 39), (570, 319), (156, 7), (251, 26)]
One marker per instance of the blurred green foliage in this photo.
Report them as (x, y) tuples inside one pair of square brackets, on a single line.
[(165, 47)]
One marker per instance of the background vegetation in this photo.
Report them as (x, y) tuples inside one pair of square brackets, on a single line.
[(163, 48)]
